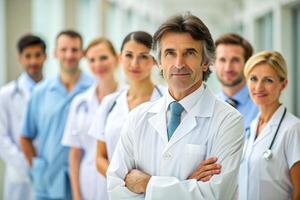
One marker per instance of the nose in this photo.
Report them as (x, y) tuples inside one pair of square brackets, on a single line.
[(179, 62), (259, 86), (33, 60), (227, 66), (135, 62)]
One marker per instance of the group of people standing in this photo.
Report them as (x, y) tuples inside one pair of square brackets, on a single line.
[(73, 136)]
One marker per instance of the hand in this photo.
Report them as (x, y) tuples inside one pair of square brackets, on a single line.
[(206, 170), (137, 181)]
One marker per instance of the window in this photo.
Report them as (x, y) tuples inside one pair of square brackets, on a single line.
[(264, 33)]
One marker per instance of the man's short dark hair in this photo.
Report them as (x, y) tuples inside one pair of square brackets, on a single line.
[(30, 40), (71, 34), (235, 39), (188, 23)]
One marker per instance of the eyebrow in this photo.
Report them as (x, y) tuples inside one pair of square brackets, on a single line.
[(191, 49), (187, 49), (127, 51)]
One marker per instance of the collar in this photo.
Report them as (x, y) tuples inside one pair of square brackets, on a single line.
[(275, 119), (202, 107), (83, 82), (189, 101), (26, 82), (241, 96)]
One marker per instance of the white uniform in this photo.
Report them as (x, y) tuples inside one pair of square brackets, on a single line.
[(13, 102), (208, 128), (81, 114), (260, 179), (114, 111)]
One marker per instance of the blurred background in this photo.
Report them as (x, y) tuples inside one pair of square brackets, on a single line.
[(267, 24)]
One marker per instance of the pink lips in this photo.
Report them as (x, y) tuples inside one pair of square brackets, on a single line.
[(260, 95), (135, 71)]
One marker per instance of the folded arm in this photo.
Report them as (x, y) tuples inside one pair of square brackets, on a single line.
[(227, 147)]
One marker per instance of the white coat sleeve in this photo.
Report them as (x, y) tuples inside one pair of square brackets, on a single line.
[(292, 145), (227, 147), (122, 161), (10, 152)]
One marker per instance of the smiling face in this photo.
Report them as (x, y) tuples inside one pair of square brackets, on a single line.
[(136, 61), (32, 59), (229, 64), (69, 52), (264, 85), (102, 61), (181, 61)]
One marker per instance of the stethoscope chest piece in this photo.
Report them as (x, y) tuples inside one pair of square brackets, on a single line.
[(267, 154)]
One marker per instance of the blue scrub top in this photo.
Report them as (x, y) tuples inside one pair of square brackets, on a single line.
[(44, 123), (245, 105)]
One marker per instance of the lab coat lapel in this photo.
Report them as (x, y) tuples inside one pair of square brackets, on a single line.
[(158, 120), (271, 126), (203, 109)]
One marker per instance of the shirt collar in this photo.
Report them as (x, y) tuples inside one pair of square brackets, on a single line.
[(241, 96), (83, 82), (189, 101), (26, 81)]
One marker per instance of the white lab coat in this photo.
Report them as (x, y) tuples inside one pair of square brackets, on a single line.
[(260, 179), (13, 102), (107, 126), (212, 128), (81, 114)]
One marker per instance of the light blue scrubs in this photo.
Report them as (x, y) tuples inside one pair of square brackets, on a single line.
[(44, 123), (245, 105)]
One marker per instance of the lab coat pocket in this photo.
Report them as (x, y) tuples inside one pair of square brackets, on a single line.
[(193, 154), (271, 186), (37, 172)]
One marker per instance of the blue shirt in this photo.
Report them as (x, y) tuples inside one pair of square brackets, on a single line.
[(245, 105), (45, 122)]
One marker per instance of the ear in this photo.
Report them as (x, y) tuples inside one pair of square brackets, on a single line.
[(205, 66), (284, 84)]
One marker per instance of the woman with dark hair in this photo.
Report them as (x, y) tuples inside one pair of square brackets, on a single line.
[(137, 64)]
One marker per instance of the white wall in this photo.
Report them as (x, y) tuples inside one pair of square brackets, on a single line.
[(281, 36), (2, 43)]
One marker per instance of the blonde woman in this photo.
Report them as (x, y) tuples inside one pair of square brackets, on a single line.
[(270, 167), (86, 183)]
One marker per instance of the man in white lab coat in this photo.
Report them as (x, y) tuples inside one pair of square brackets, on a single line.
[(163, 142), (13, 101)]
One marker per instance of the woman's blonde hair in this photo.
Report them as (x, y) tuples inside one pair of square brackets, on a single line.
[(101, 40), (273, 58)]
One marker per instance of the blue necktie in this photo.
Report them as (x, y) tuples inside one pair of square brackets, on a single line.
[(175, 115), (234, 103)]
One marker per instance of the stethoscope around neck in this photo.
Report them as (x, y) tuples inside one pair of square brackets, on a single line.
[(84, 104), (17, 90), (267, 154)]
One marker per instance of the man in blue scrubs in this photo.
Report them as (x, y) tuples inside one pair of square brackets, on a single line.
[(232, 52), (45, 120)]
